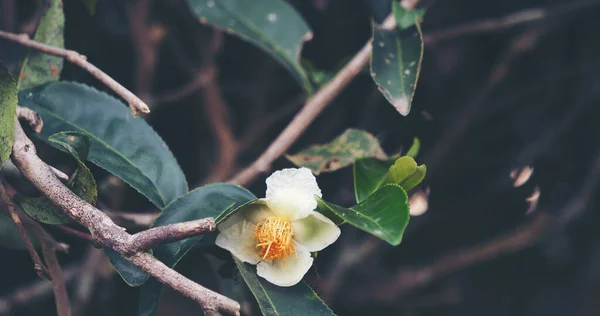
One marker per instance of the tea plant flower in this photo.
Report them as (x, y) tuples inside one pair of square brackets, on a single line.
[(279, 233)]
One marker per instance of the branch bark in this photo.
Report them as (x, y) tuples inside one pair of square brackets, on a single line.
[(136, 104), (105, 231)]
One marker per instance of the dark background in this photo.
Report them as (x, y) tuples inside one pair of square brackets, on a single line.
[(489, 100)]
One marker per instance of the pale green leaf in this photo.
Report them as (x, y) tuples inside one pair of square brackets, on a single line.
[(39, 68), (8, 111)]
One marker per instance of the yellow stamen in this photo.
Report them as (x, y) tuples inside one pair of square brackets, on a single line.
[(275, 238)]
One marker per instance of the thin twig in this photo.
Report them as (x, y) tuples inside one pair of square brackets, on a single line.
[(152, 237), (40, 268), (79, 234), (513, 19), (309, 112), (217, 114), (61, 297), (136, 104), (106, 231)]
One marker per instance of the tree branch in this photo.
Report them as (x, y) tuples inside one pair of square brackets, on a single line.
[(309, 112), (61, 297), (152, 237), (40, 268), (136, 104), (103, 229)]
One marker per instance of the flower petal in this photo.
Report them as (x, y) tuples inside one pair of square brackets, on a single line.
[(288, 272), (237, 239), (253, 213), (290, 193), (315, 232)]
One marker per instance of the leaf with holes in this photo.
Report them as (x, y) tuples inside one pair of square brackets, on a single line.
[(82, 182), (8, 111), (341, 152), (299, 299), (396, 63), (272, 25), (214, 200), (39, 68), (124, 145), (384, 214)]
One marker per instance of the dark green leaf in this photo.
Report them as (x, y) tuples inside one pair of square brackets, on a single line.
[(384, 213), (272, 25), (131, 274), (341, 152), (369, 175), (299, 299), (406, 18), (39, 68), (82, 182), (9, 234), (8, 111), (413, 151), (217, 200), (396, 63), (124, 145)]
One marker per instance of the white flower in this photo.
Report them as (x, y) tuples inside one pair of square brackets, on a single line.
[(280, 233)]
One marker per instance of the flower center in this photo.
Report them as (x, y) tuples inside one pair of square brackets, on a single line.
[(274, 238)]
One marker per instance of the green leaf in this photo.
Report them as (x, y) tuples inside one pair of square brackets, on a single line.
[(369, 175), (124, 145), (396, 63), (272, 25), (9, 234), (217, 200), (406, 18), (8, 111), (406, 173), (341, 152), (299, 299), (82, 182), (414, 149), (384, 214), (130, 273), (39, 68)]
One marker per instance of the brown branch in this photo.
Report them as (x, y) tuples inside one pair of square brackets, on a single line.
[(136, 104), (40, 268), (61, 297), (164, 234), (309, 112), (513, 19), (79, 234), (217, 115), (106, 231), (32, 117)]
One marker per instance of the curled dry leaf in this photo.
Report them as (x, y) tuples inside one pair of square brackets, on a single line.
[(533, 200), (419, 202), (521, 175)]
